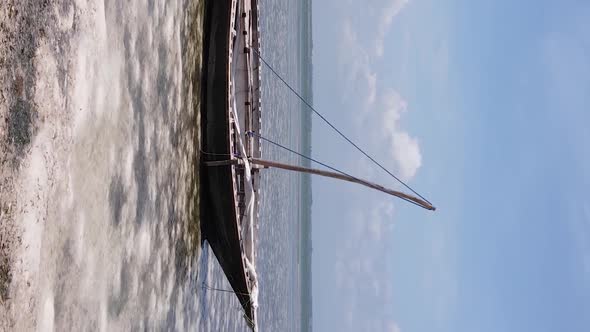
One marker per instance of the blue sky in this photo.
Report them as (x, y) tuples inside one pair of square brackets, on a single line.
[(483, 106)]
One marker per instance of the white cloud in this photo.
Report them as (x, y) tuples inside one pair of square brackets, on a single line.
[(392, 327), (406, 152), (355, 68), (360, 269), (393, 107), (355, 59), (404, 149), (371, 79), (392, 9), (380, 219)]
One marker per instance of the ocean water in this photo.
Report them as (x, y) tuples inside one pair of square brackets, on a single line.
[(280, 298), (110, 181)]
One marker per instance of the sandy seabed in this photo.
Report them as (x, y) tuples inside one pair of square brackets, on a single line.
[(98, 166)]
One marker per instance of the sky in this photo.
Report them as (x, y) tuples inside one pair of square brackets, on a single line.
[(483, 107)]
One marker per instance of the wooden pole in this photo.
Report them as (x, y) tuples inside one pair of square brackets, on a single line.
[(340, 176)]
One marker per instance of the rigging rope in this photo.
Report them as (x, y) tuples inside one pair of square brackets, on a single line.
[(205, 286), (333, 127), (318, 162)]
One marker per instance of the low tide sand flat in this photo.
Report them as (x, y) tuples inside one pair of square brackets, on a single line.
[(99, 164)]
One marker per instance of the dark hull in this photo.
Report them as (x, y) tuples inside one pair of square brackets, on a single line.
[(220, 225)]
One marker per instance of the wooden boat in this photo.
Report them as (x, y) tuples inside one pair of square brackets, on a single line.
[(232, 107)]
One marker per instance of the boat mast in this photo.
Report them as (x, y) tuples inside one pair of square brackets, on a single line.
[(340, 176)]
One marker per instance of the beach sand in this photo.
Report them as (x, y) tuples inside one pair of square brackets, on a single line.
[(99, 137)]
